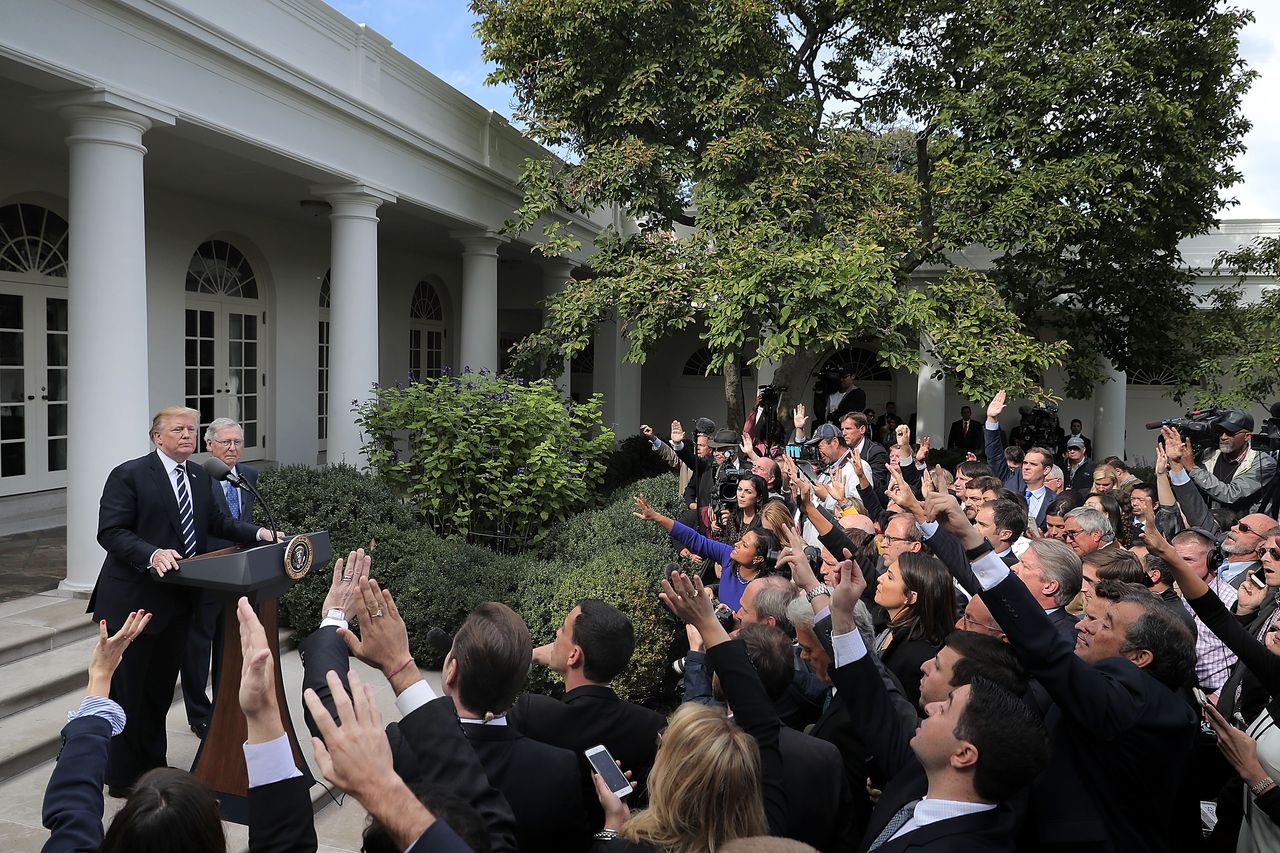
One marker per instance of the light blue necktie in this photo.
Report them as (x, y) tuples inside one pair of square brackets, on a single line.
[(184, 513), (233, 499), (895, 823)]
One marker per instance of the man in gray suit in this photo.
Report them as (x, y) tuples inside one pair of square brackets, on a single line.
[(223, 438)]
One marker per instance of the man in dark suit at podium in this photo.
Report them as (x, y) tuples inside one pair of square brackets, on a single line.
[(156, 510), (223, 438)]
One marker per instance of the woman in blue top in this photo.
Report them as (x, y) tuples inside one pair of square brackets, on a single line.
[(740, 563)]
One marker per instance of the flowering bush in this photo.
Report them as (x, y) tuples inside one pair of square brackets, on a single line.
[(486, 457)]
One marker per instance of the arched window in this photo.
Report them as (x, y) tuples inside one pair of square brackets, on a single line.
[(225, 340), (864, 363), (1153, 377), (33, 239), (322, 362), (219, 268), (426, 332), (700, 362)]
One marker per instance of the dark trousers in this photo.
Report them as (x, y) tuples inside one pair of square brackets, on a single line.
[(143, 685), (205, 636)]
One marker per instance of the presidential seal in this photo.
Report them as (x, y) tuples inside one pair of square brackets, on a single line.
[(298, 555)]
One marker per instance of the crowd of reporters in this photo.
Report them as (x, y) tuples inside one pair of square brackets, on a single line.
[(1028, 652)]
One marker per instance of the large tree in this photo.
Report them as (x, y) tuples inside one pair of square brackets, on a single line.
[(805, 172)]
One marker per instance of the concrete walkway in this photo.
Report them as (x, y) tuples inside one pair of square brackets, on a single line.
[(32, 563)]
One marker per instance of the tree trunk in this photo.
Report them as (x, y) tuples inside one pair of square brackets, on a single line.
[(733, 396)]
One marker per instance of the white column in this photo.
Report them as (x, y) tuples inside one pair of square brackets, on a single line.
[(353, 336), (931, 401), (479, 343), (556, 275), (1109, 413), (110, 411), (617, 380)]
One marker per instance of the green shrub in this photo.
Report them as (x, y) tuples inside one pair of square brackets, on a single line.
[(613, 526), (633, 460), (485, 456), (347, 503)]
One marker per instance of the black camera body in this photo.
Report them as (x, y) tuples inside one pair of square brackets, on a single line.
[(1199, 426), (725, 493), (1040, 427)]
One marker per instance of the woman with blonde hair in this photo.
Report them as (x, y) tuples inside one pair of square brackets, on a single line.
[(714, 779)]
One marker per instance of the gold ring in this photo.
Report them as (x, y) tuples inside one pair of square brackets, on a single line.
[(379, 613)]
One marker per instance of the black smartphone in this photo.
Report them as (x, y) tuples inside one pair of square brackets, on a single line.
[(602, 762)]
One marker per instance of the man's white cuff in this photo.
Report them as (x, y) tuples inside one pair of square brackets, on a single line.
[(414, 697), (848, 647)]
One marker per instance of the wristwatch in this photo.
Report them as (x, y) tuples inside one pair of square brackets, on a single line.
[(337, 614), (978, 550), (820, 589)]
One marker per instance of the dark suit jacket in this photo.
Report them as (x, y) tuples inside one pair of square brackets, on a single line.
[(871, 713), (1120, 739), (280, 817), (246, 502), (1065, 624), (543, 784), (973, 442), (853, 401), (1012, 479), (138, 515), (992, 830), (590, 715), (819, 799), (877, 457), (1082, 480), (430, 740)]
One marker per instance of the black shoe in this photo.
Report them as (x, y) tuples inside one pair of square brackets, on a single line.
[(200, 729), (120, 792)]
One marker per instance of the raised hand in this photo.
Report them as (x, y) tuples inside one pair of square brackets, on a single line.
[(996, 407), (110, 650), (903, 433), (257, 678), (647, 432), (346, 581), (850, 584), (677, 433), (922, 452), (1162, 460), (800, 417), (643, 510), (384, 639), (1251, 596)]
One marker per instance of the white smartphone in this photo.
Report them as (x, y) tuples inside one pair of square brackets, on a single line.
[(602, 762)]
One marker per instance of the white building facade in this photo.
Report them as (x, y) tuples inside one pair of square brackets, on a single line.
[(260, 208)]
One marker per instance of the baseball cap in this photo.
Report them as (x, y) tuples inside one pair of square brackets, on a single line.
[(823, 432), (1075, 441), (1235, 420)]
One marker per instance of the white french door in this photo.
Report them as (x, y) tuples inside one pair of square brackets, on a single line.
[(225, 358), (33, 387)]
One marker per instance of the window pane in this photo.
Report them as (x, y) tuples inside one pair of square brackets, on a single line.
[(250, 327), (206, 324), (58, 419), (57, 385), (13, 460), (251, 435), (57, 350), (10, 347), (12, 386), (57, 454), (10, 311), (206, 353), (236, 326), (13, 422), (56, 315)]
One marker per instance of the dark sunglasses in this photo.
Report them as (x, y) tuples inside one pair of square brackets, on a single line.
[(1274, 553), (1244, 528)]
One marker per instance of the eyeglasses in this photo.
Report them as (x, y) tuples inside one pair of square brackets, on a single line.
[(886, 537), (1071, 534), (1244, 528), (1274, 553), (969, 620), (229, 442)]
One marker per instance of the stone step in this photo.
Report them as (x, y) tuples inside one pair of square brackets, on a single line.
[(41, 623), (43, 677)]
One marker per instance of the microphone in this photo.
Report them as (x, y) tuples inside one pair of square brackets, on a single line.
[(440, 640), (218, 470), (1154, 424)]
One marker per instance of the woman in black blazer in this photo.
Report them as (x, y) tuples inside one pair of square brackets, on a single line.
[(917, 593)]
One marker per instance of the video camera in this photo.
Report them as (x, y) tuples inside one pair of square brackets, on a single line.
[(1199, 426), (725, 494), (1040, 427)]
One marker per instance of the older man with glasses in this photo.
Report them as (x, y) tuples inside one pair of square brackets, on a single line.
[(224, 439)]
